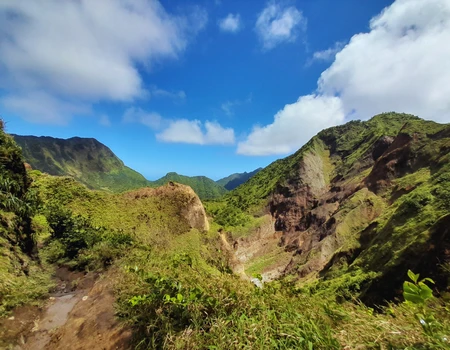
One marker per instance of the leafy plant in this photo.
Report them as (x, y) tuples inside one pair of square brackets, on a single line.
[(417, 293)]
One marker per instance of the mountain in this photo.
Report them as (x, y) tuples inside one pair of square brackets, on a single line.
[(237, 179), (86, 159), (95, 165), (355, 207), (202, 185), (339, 222)]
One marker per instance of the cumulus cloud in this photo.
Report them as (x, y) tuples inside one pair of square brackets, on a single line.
[(231, 23), (293, 126), (138, 115), (277, 24), (193, 132), (86, 51), (43, 107), (402, 64)]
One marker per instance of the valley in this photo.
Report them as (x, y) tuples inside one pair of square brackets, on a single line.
[(311, 252)]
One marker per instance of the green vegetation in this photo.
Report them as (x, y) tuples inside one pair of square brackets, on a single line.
[(95, 165), (204, 187), (369, 220), (347, 143), (22, 278)]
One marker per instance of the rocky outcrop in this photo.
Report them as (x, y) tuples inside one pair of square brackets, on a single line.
[(188, 204)]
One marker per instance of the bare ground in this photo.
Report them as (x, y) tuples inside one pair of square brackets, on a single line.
[(78, 315)]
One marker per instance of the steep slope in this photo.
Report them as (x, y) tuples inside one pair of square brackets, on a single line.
[(22, 277), (87, 160), (202, 185), (234, 180), (361, 203)]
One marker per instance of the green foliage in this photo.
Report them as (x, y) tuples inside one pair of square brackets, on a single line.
[(22, 278), (75, 239), (182, 305), (416, 201), (417, 294)]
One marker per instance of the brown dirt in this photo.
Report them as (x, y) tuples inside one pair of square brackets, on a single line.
[(78, 315)]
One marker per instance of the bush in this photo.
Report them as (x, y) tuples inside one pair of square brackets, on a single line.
[(79, 242)]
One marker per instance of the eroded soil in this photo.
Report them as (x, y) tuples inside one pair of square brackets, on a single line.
[(78, 315)]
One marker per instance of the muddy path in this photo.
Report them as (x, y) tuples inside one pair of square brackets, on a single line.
[(79, 314)]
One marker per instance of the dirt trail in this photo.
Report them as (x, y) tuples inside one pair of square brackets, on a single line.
[(79, 315)]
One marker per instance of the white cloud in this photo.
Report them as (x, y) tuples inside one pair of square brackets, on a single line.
[(87, 51), (231, 23), (40, 107), (138, 115), (293, 126), (192, 131), (277, 24), (104, 120), (402, 64), (328, 54)]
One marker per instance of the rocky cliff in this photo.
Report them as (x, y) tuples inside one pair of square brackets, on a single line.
[(362, 203)]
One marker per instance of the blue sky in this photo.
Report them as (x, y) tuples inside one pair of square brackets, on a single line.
[(217, 87)]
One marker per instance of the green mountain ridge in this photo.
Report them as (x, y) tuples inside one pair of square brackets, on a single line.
[(356, 207), (234, 180), (202, 185), (86, 159), (95, 165)]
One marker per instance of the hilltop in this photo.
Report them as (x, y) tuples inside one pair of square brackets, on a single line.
[(202, 185)]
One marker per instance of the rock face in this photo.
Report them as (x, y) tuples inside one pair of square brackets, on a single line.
[(362, 203), (193, 210)]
